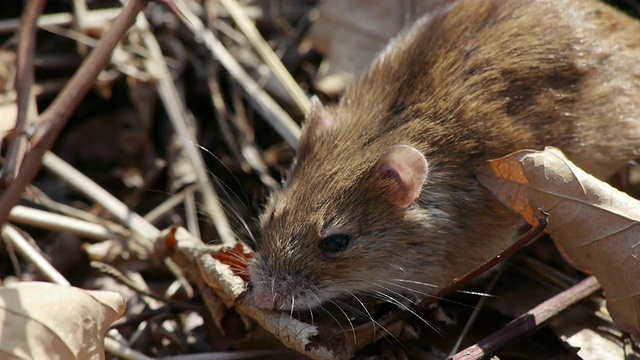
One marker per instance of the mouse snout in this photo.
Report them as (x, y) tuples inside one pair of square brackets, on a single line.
[(267, 300), (279, 289), (271, 295)]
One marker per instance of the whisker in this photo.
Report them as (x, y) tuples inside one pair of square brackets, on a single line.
[(310, 313), (366, 311), (315, 296), (376, 323), (353, 329), (439, 298), (477, 293), (404, 287), (273, 298), (235, 178), (417, 283), (474, 314), (238, 220), (334, 318), (393, 292), (391, 300), (230, 208)]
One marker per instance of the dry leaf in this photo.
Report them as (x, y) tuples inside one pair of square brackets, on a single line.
[(593, 224), (237, 258), (593, 345), (48, 321), (351, 33), (196, 260), (8, 114)]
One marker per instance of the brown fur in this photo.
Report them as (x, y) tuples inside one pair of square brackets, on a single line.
[(480, 80)]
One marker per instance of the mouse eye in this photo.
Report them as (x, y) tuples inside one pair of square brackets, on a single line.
[(333, 244)]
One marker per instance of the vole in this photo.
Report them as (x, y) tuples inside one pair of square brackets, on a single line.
[(383, 197)]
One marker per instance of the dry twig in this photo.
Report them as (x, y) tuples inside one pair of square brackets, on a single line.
[(270, 58), (269, 109), (9, 233), (176, 111), (53, 119), (530, 321), (24, 89)]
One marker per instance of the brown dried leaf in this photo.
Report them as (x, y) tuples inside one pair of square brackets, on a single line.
[(44, 321), (237, 258), (350, 33), (196, 260), (592, 223)]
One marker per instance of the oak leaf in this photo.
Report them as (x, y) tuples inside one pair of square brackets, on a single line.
[(593, 224)]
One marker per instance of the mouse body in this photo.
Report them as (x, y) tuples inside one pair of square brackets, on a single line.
[(382, 198)]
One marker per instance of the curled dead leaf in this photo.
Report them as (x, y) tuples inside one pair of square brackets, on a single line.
[(237, 258), (44, 321), (595, 225), (228, 288)]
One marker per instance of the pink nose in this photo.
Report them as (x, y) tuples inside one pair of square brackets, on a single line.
[(269, 301)]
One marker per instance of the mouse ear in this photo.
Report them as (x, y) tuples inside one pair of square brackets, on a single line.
[(317, 120), (406, 168)]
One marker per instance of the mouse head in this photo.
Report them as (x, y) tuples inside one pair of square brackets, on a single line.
[(342, 223)]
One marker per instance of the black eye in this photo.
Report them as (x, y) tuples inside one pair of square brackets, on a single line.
[(333, 244)]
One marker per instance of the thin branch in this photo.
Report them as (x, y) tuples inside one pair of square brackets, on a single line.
[(55, 117), (269, 109), (270, 58), (24, 87), (144, 232), (170, 203), (55, 222), (123, 351), (80, 11), (249, 149), (191, 214), (176, 111), (223, 118), (530, 321), (40, 198), (62, 19), (9, 233), (116, 274), (476, 312)]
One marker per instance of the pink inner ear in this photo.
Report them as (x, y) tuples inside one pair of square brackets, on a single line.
[(317, 120), (407, 168)]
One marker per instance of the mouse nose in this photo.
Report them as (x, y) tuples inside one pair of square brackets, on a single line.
[(268, 300)]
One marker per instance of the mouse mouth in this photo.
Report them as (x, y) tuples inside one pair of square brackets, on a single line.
[(280, 290), (283, 295), (329, 310)]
